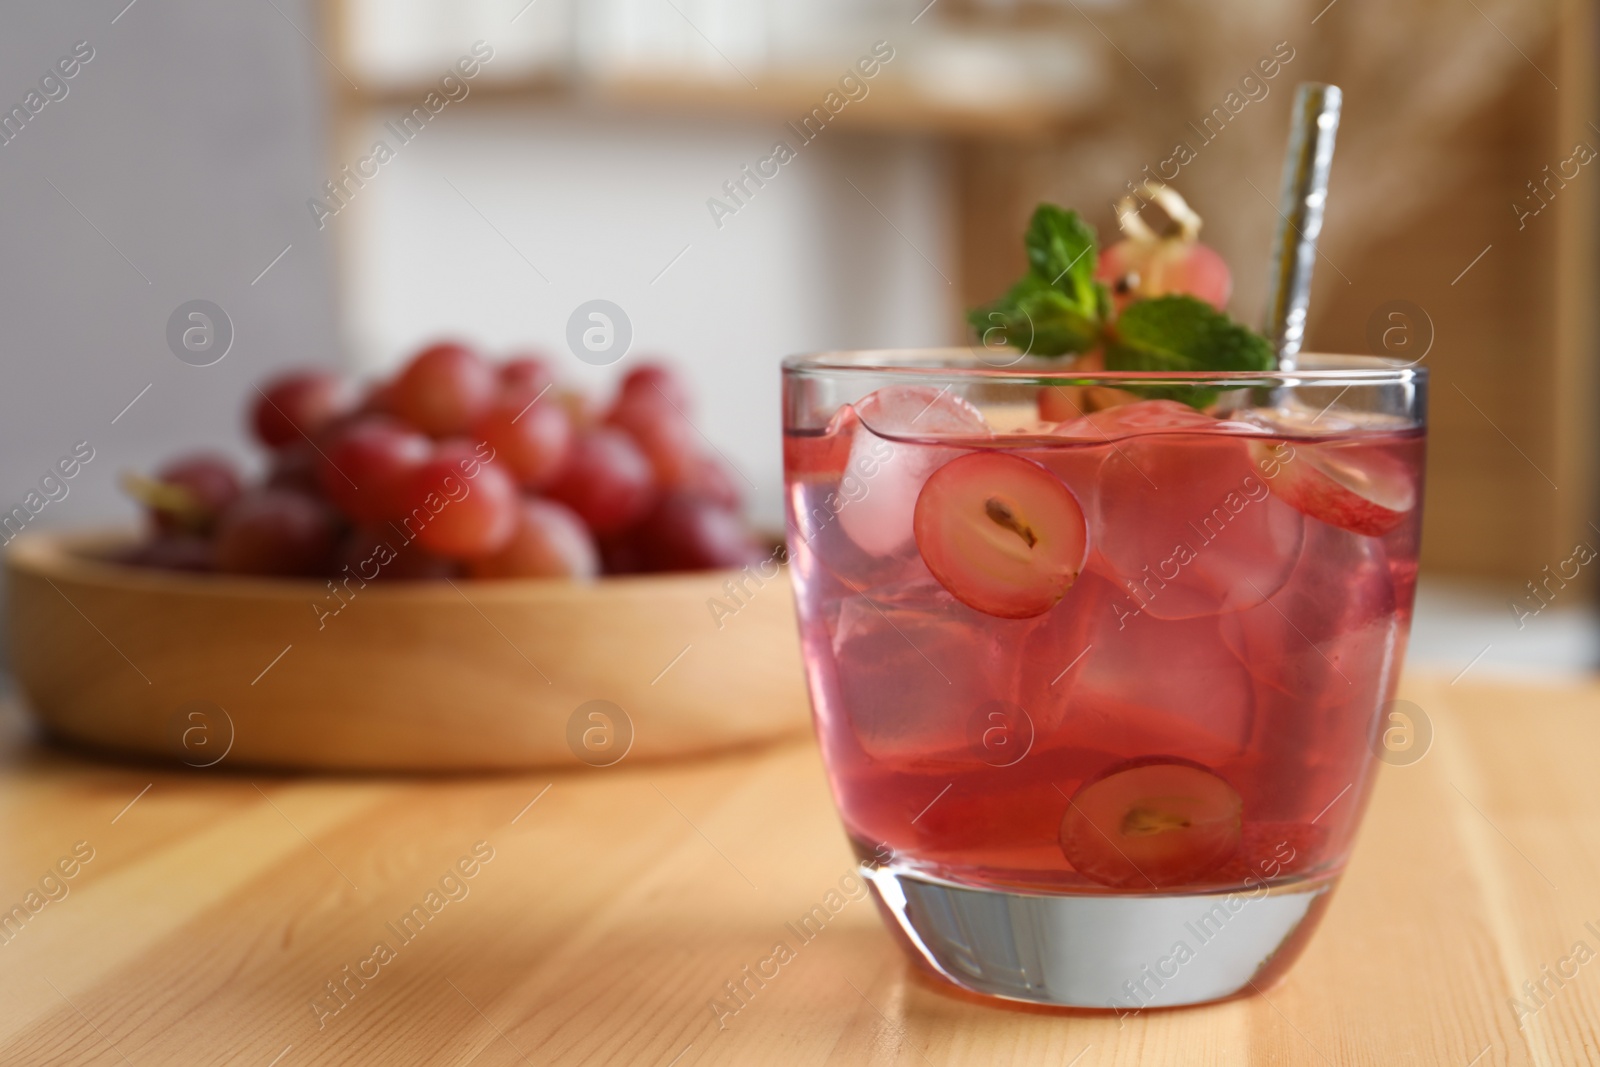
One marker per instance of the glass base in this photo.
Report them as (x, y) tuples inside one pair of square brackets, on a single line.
[(1121, 953)]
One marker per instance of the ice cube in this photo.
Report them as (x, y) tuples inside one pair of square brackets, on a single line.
[(914, 666), (1322, 655), (892, 471), (1188, 526), (1144, 686)]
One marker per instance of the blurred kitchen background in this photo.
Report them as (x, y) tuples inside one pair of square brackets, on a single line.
[(187, 158)]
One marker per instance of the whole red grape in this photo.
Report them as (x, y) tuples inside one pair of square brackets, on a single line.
[(365, 466), (298, 406), (205, 483), (550, 541), (443, 389), (1135, 269), (655, 381), (525, 374), (607, 480), (173, 552), (662, 432), (460, 506), (531, 437), (295, 466), (381, 551), (688, 533), (620, 553), (275, 532), (709, 479), (581, 408)]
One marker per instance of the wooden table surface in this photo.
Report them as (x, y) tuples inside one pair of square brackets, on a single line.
[(207, 913)]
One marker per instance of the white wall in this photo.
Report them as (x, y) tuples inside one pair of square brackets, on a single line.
[(600, 204), (176, 167)]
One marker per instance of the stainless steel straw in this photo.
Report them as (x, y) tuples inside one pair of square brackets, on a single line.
[(1301, 198)]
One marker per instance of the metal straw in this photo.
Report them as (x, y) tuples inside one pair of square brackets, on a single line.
[(1301, 198)]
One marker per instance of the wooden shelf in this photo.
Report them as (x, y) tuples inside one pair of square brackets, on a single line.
[(891, 106)]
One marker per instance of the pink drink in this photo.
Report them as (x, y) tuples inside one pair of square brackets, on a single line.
[(1193, 713)]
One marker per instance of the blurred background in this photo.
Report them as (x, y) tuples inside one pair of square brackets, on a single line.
[(599, 149)]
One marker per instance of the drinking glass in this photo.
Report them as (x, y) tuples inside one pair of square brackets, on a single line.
[(1098, 661)]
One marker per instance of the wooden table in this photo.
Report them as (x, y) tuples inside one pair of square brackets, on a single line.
[(605, 910)]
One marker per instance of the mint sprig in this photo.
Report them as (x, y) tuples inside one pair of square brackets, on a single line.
[(1058, 309), (1180, 333)]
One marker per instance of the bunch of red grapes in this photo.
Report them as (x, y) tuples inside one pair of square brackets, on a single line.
[(456, 467)]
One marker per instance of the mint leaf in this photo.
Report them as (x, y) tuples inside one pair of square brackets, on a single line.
[(1057, 308), (1062, 250), (1180, 333), (1036, 319)]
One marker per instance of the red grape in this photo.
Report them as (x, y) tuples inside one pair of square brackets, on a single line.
[(365, 467), (1144, 268), (665, 436), (525, 374), (459, 505), (686, 533), (531, 437), (295, 466), (1003, 534), (656, 382), (443, 389), (298, 406), (191, 492), (1156, 822), (581, 408), (379, 399), (274, 532), (1358, 489), (607, 480), (621, 553), (550, 541), (380, 550), (178, 552), (709, 479)]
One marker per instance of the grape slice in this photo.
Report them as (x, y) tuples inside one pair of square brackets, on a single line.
[(1001, 533), (1156, 823), (1360, 490)]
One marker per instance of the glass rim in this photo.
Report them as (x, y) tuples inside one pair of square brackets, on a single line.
[(977, 364)]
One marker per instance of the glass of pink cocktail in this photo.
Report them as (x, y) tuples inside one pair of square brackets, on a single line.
[(1097, 659)]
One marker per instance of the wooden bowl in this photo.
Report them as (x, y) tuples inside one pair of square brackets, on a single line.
[(406, 675)]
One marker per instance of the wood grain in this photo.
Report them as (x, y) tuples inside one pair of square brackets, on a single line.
[(399, 675), (219, 905)]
